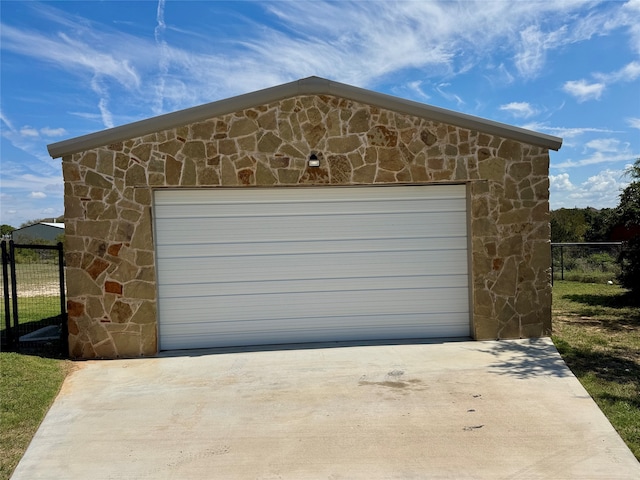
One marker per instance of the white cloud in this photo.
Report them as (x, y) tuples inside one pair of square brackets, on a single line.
[(565, 132), (103, 104), (596, 158), (606, 181), (604, 144), (74, 54), (23, 194), (354, 42), (561, 182), (634, 122), (6, 121), (87, 115), (631, 12), (571, 136), (499, 75), (29, 132), (53, 132), (600, 150), (163, 57), (28, 140), (452, 97), (6, 198), (532, 55), (583, 90), (27, 181), (601, 190), (416, 87), (555, 25), (31, 145), (81, 54), (33, 133), (519, 109), (628, 73)]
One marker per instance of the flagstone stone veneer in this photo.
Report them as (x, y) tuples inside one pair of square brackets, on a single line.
[(111, 276)]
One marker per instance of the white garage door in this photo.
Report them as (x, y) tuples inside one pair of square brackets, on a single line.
[(286, 265)]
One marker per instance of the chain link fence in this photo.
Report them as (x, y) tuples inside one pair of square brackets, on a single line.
[(585, 262), (33, 317)]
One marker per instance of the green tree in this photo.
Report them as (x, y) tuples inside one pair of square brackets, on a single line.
[(568, 225), (559, 233), (6, 229), (628, 213), (583, 224), (629, 208), (600, 224)]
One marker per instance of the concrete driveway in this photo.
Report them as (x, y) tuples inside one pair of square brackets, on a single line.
[(508, 409)]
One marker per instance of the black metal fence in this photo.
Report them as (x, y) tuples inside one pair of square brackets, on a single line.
[(34, 305), (594, 262)]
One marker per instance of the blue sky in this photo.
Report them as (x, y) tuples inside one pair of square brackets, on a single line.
[(566, 68)]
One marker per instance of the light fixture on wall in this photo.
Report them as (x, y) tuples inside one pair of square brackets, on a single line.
[(314, 161)]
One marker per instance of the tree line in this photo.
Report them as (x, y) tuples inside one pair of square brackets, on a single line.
[(570, 225), (621, 223)]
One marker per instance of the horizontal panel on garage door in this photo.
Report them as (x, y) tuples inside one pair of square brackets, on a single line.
[(260, 266)]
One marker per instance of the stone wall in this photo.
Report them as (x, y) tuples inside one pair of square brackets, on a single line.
[(108, 206)]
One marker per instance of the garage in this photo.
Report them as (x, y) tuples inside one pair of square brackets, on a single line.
[(274, 265), (311, 211)]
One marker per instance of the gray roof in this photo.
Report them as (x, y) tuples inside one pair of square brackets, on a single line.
[(46, 224), (46, 231), (306, 86)]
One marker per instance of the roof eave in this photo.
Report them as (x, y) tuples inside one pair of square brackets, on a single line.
[(306, 86)]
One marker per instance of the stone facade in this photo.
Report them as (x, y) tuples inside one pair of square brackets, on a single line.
[(111, 274)]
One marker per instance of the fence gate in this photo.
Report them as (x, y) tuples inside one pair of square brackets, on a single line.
[(34, 317)]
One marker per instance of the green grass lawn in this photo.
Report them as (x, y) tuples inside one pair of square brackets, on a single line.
[(32, 309), (28, 386), (596, 329)]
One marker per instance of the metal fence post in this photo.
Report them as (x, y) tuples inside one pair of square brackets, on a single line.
[(64, 331), (561, 263), (14, 294), (552, 265), (5, 286)]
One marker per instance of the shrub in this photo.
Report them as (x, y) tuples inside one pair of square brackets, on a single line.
[(629, 260)]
